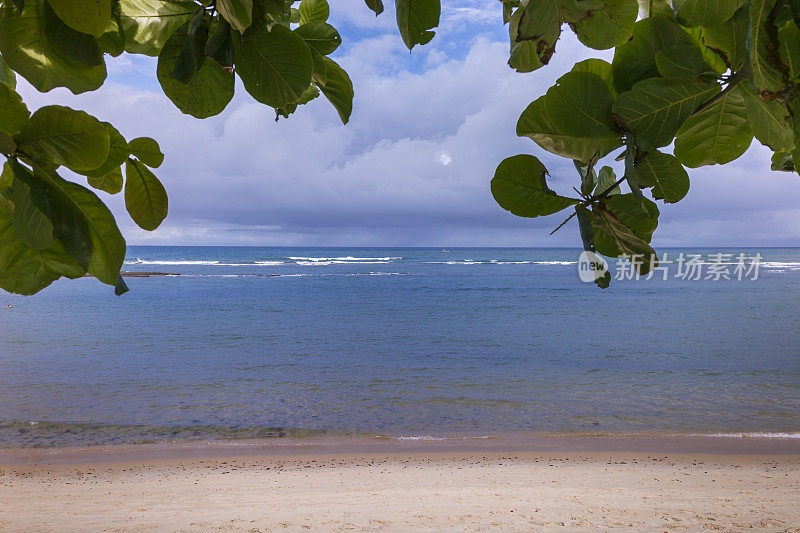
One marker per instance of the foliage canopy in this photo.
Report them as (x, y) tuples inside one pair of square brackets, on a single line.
[(704, 77)]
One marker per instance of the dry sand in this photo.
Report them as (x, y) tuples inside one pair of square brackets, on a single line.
[(398, 489)]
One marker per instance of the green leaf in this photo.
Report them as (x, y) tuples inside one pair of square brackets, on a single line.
[(717, 134), (220, 45), (85, 16), (275, 65), (789, 36), (771, 122), (27, 47), (652, 8), (599, 67), (208, 91), (608, 27), (308, 95), (24, 270), (782, 161), (112, 41), (118, 152), (525, 57), (111, 182), (579, 105), (682, 61), (519, 186), (147, 150), (538, 22), (145, 196), (148, 24), (612, 238), (728, 40), (656, 108), (313, 11), (338, 89), (73, 46), (665, 174), (635, 60), (7, 144), (239, 13), (320, 36), (319, 73), (193, 53), (640, 217), (66, 137), (31, 214), (7, 76), (13, 111), (375, 5), (763, 52), (77, 209), (705, 12), (535, 124), (416, 19), (606, 180)]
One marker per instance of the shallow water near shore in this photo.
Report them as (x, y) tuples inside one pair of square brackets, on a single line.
[(298, 342)]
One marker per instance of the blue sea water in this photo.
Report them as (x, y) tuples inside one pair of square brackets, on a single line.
[(251, 341)]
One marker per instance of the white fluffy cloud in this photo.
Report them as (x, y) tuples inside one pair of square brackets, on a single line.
[(412, 167)]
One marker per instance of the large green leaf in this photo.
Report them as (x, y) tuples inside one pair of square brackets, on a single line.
[(13, 111), (320, 36), (665, 174), (77, 208), (519, 186), (239, 13), (717, 134), (416, 19), (112, 41), (338, 89), (656, 108), (535, 124), (705, 12), (608, 27), (32, 216), (607, 182), (789, 36), (635, 60), (24, 270), (525, 57), (27, 48), (149, 23), (73, 46), (771, 121), (110, 182), (579, 105), (612, 238), (7, 76), (729, 39), (207, 92), (313, 11), (537, 21), (682, 61), (85, 16), (118, 152), (640, 217), (220, 45), (145, 196), (147, 151), (275, 65), (601, 68), (193, 53), (763, 46), (66, 137)]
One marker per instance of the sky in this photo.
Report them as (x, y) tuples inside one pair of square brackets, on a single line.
[(413, 166)]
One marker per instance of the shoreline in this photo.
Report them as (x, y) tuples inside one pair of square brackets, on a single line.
[(353, 445), (405, 487)]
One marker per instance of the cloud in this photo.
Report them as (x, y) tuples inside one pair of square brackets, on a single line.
[(412, 167)]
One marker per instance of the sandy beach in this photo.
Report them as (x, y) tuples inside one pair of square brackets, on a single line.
[(378, 486)]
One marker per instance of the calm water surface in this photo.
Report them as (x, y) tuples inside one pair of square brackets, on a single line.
[(283, 341)]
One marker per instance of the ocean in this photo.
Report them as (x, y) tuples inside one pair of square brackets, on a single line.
[(402, 343)]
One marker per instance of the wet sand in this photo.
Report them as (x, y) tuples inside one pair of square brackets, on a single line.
[(558, 484)]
